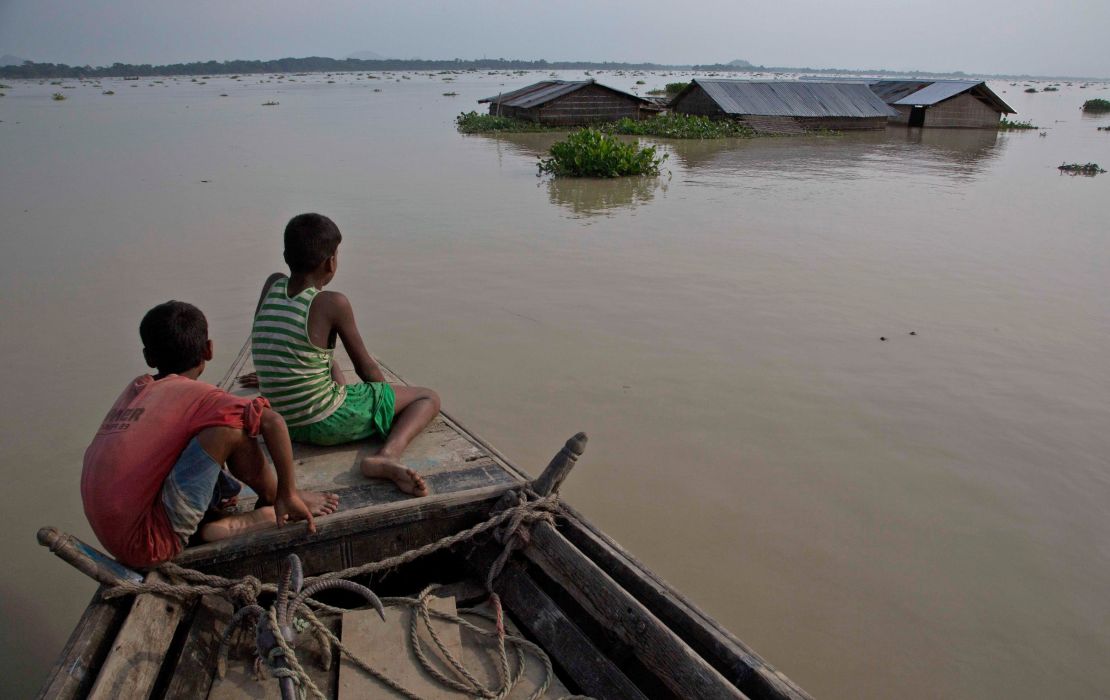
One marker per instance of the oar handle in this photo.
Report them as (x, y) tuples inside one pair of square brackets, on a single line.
[(88, 560)]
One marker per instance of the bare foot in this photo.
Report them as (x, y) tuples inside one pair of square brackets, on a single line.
[(238, 524), (320, 503), (385, 468)]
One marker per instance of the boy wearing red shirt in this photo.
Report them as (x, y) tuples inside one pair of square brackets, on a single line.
[(154, 470)]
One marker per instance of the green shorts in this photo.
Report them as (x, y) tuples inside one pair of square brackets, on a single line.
[(367, 411)]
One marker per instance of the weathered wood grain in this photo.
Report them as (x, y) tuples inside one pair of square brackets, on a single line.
[(362, 521), (678, 666), (567, 645), (77, 666), (196, 664), (140, 647), (385, 646)]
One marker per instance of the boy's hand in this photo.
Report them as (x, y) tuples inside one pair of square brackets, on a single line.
[(249, 381), (291, 507)]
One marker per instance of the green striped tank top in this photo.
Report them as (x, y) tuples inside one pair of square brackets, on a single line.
[(293, 374)]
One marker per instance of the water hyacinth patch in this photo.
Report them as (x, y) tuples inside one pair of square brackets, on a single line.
[(679, 126), (592, 153), (475, 123), (1098, 105)]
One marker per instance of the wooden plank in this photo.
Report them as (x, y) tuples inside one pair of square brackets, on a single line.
[(658, 648), (196, 665), (239, 682), (734, 659), (564, 642), (362, 520), (80, 660), (140, 647), (385, 646)]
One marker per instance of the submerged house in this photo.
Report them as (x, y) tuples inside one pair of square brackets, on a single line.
[(570, 103), (785, 106), (942, 103)]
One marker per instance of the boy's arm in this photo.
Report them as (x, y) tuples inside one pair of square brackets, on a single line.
[(343, 320), (288, 501)]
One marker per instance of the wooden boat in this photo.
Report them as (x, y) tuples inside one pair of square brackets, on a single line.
[(611, 628)]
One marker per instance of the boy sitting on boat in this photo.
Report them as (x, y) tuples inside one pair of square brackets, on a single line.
[(153, 474), (293, 343)]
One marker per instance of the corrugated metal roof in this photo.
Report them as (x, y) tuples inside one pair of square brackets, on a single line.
[(547, 90), (938, 91), (890, 91), (790, 98), (926, 93)]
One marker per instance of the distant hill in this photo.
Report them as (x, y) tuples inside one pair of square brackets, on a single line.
[(10, 60), (366, 56)]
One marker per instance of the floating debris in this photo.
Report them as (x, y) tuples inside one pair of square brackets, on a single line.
[(58, 97), (1084, 169), (450, 94), (108, 92), (270, 104)]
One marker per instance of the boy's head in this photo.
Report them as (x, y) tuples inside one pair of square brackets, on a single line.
[(175, 338), (310, 241)]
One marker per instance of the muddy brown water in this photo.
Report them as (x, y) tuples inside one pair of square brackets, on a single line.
[(921, 517)]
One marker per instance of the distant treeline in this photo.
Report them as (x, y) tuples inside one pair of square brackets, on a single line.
[(317, 64)]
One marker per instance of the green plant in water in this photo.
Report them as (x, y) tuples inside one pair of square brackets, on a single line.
[(1030, 89), (679, 126), (1098, 105), (109, 92), (475, 123), (58, 97), (673, 89), (1005, 124), (1081, 169), (592, 153)]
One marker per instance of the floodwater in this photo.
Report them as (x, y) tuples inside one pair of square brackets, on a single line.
[(917, 518)]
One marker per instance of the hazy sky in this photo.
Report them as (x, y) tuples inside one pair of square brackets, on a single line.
[(1062, 37)]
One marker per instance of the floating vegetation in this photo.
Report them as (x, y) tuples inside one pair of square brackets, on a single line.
[(5, 87), (450, 94), (271, 103), (1007, 125), (1084, 169), (475, 123), (58, 97), (1030, 89), (223, 94), (108, 92), (1096, 106), (675, 88), (1103, 128), (640, 82), (1051, 89), (592, 153), (679, 126)]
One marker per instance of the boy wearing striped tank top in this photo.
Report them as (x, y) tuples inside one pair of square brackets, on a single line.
[(293, 343)]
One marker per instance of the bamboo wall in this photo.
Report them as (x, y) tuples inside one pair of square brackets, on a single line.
[(587, 105), (962, 111)]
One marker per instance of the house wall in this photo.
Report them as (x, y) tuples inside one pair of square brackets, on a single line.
[(962, 111), (696, 101), (842, 123), (587, 105), (903, 115)]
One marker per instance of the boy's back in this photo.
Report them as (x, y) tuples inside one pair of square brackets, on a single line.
[(293, 373), (137, 445)]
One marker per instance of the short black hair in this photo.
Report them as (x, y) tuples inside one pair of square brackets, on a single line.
[(175, 337), (310, 239)]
